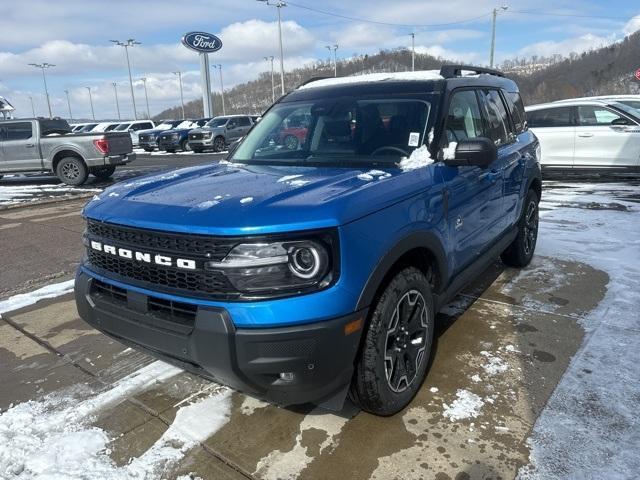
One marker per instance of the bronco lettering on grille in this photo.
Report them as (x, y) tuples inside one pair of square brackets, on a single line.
[(144, 257)]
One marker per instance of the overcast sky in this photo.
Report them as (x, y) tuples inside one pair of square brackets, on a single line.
[(74, 35)]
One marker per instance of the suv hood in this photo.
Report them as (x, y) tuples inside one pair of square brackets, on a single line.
[(155, 131), (235, 199)]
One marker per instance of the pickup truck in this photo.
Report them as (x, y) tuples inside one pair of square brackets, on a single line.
[(305, 274), (43, 145)]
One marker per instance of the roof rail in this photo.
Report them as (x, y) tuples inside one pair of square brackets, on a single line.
[(313, 79), (452, 71)]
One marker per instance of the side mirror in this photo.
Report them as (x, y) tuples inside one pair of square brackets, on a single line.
[(620, 122), (480, 152)]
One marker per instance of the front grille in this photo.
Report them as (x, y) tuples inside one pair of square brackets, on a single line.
[(194, 283), (198, 136)]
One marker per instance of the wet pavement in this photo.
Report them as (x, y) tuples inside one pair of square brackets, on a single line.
[(501, 348)]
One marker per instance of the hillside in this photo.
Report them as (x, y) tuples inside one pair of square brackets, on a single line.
[(607, 70)]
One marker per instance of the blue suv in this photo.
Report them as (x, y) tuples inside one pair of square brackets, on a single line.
[(305, 274), (178, 137)]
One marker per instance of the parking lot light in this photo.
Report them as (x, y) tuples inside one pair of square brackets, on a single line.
[(93, 115), (33, 108), (335, 58), (493, 33), (115, 92), (279, 4), (179, 74), (146, 96), (126, 44), (219, 67), (273, 93), (68, 105), (43, 66)]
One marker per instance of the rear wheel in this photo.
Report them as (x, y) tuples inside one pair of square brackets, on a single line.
[(72, 171), (147, 149), (520, 252), (104, 172), (290, 142), (393, 361), (218, 144)]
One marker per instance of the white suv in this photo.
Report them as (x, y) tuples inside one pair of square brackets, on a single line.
[(587, 135)]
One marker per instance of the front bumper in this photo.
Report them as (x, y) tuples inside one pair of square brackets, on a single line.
[(319, 355), (201, 142), (169, 144), (148, 144)]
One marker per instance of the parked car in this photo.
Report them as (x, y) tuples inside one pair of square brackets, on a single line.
[(294, 132), (220, 132), (301, 275), (77, 126), (587, 135), (632, 101), (148, 139), (133, 127), (178, 137), (86, 128), (105, 126), (43, 145)]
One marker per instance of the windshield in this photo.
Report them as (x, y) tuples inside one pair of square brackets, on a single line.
[(346, 130), (122, 126), (186, 124), (217, 122), (629, 106), (165, 126)]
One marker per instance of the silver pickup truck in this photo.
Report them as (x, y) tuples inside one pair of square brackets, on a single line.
[(43, 145)]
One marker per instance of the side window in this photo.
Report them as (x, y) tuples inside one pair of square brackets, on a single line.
[(550, 117), (464, 120), (516, 109), (244, 122), (18, 131), (496, 116), (231, 124), (593, 116)]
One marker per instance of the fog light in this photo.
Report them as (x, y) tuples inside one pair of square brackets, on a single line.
[(287, 376)]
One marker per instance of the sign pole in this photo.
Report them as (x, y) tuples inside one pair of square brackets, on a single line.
[(206, 85)]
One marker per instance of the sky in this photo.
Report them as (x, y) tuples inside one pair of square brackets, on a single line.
[(75, 36)]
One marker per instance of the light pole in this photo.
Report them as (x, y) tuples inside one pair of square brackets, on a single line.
[(146, 96), (493, 33), (69, 105), (93, 114), (413, 51), (129, 43), (43, 67), (179, 74), (335, 58), (273, 93), (33, 108), (279, 4), (115, 92), (219, 67)]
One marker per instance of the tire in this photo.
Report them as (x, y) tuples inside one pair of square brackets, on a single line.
[(170, 150), (219, 144), (290, 142), (147, 149), (72, 171), (197, 150), (104, 172), (184, 146), (521, 250), (380, 384)]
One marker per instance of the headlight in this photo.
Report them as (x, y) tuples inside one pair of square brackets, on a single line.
[(282, 266)]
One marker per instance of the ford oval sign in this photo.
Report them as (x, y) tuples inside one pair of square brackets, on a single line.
[(202, 42)]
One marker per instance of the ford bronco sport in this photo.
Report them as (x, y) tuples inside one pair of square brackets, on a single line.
[(305, 274)]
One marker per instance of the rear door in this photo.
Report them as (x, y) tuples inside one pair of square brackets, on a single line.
[(20, 147), (605, 139), (234, 130), (555, 129)]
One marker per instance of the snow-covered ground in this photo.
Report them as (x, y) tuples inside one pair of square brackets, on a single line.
[(13, 193), (590, 427)]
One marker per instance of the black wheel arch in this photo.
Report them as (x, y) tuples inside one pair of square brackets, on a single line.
[(419, 249), (59, 155)]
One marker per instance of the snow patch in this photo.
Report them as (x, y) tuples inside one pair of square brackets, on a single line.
[(494, 365), (246, 200), (419, 158), (288, 178), (449, 152), (25, 299), (423, 75), (466, 405)]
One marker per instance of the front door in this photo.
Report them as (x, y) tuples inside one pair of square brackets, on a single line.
[(605, 139), (555, 129), (474, 194), (19, 147)]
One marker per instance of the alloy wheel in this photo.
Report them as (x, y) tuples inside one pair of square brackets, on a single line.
[(530, 227), (71, 171)]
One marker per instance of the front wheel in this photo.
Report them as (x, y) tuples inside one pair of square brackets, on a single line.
[(147, 149), (104, 172), (393, 361), (72, 171), (520, 252), (184, 146), (219, 144)]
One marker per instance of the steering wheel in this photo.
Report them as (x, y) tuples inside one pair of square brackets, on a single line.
[(395, 149)]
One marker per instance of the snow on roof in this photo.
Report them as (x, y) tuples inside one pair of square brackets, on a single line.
[(423, 75)]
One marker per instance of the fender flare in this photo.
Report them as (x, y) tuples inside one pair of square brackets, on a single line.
[(412, 241)]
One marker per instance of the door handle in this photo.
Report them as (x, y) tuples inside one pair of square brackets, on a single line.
[(491, 176), (585, 135), (30, 145)]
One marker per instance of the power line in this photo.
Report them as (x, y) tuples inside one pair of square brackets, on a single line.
[(575, 15), (390, 24)]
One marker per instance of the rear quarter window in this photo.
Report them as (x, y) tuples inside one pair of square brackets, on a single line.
[(516, 109)]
